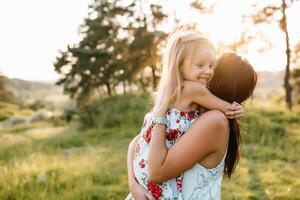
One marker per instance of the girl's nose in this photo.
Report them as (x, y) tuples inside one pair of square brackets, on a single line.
[(208, 70)]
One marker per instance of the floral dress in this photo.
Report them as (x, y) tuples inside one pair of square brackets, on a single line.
[(179, 122)]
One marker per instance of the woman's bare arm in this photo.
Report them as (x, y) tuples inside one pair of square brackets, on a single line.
[(200, 140)]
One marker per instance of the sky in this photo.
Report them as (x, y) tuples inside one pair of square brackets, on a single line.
[(33, 31)]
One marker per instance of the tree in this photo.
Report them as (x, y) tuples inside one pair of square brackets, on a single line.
[(116, 45), (266, 15), (144, 50), (97, 59), (205, 7)]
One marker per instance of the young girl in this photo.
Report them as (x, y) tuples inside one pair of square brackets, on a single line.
[(189, 57), (210, 147)]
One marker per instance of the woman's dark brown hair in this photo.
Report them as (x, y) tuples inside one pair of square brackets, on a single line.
[(234, 80)]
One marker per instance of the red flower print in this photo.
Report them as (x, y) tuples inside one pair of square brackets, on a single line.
[(191, 115), (172, 134), (137, 148), (179, 183), (177, 121), (142, 163), (147, 135), (155, 190), (182, 114)]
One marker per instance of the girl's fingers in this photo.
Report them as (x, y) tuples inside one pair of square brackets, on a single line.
[(230, 108), (234, 116), (236, 104), (233, 108), (238, 116), (238, 112), (234, 113)]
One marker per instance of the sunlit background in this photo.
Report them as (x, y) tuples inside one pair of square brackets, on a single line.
[(75, 85), (32, 31)]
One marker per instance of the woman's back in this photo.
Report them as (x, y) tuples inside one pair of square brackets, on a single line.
[(202, 183)]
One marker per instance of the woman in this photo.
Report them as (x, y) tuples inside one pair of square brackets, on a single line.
[(211, 144)]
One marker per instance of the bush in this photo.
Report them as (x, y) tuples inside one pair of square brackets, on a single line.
[(119, 111), (264, 126)]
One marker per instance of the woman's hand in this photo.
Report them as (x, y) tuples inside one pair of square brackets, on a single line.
[(235, 111), (140, 193)]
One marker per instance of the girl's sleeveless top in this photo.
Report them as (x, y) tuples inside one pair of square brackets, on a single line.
[(196, 183)]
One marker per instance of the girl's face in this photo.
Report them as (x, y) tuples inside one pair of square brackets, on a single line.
[(198, 64)]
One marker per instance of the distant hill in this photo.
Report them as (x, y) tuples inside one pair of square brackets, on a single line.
[(269, 85), (34, 90), (270, 81)]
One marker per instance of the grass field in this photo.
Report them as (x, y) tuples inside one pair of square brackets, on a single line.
[(44, 161)]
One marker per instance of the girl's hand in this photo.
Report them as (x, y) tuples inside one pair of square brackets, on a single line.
[(235, 111), (140, 193)]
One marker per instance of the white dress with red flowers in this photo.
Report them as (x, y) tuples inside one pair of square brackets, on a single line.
[(179, 124)]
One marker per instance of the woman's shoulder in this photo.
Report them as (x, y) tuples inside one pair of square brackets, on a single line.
[(216, 120), (215, 116)]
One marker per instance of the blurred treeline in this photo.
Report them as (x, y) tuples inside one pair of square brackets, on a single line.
[(121, 47), (121, 50)]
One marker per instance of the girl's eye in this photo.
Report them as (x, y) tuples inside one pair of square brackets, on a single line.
[(200, 65), (211, 66)]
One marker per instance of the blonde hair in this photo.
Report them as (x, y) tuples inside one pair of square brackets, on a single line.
[(169, 87)]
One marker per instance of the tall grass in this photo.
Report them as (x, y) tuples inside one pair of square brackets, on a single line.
[(50, 162)]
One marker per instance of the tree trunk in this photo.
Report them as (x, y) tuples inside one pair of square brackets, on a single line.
[(124, 86), (287, 86), (108, 88), (153, 76), (141, 81)]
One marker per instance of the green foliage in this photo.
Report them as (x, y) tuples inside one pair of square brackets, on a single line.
[(46, 162), (267, 126), (296, 81), (8, 110), (262, 128), (39, 104), (267, 15), (119, 111), (110, 52), (58, 121)]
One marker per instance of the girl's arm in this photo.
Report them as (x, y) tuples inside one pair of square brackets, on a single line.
[(201, 95), (204, 137)]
